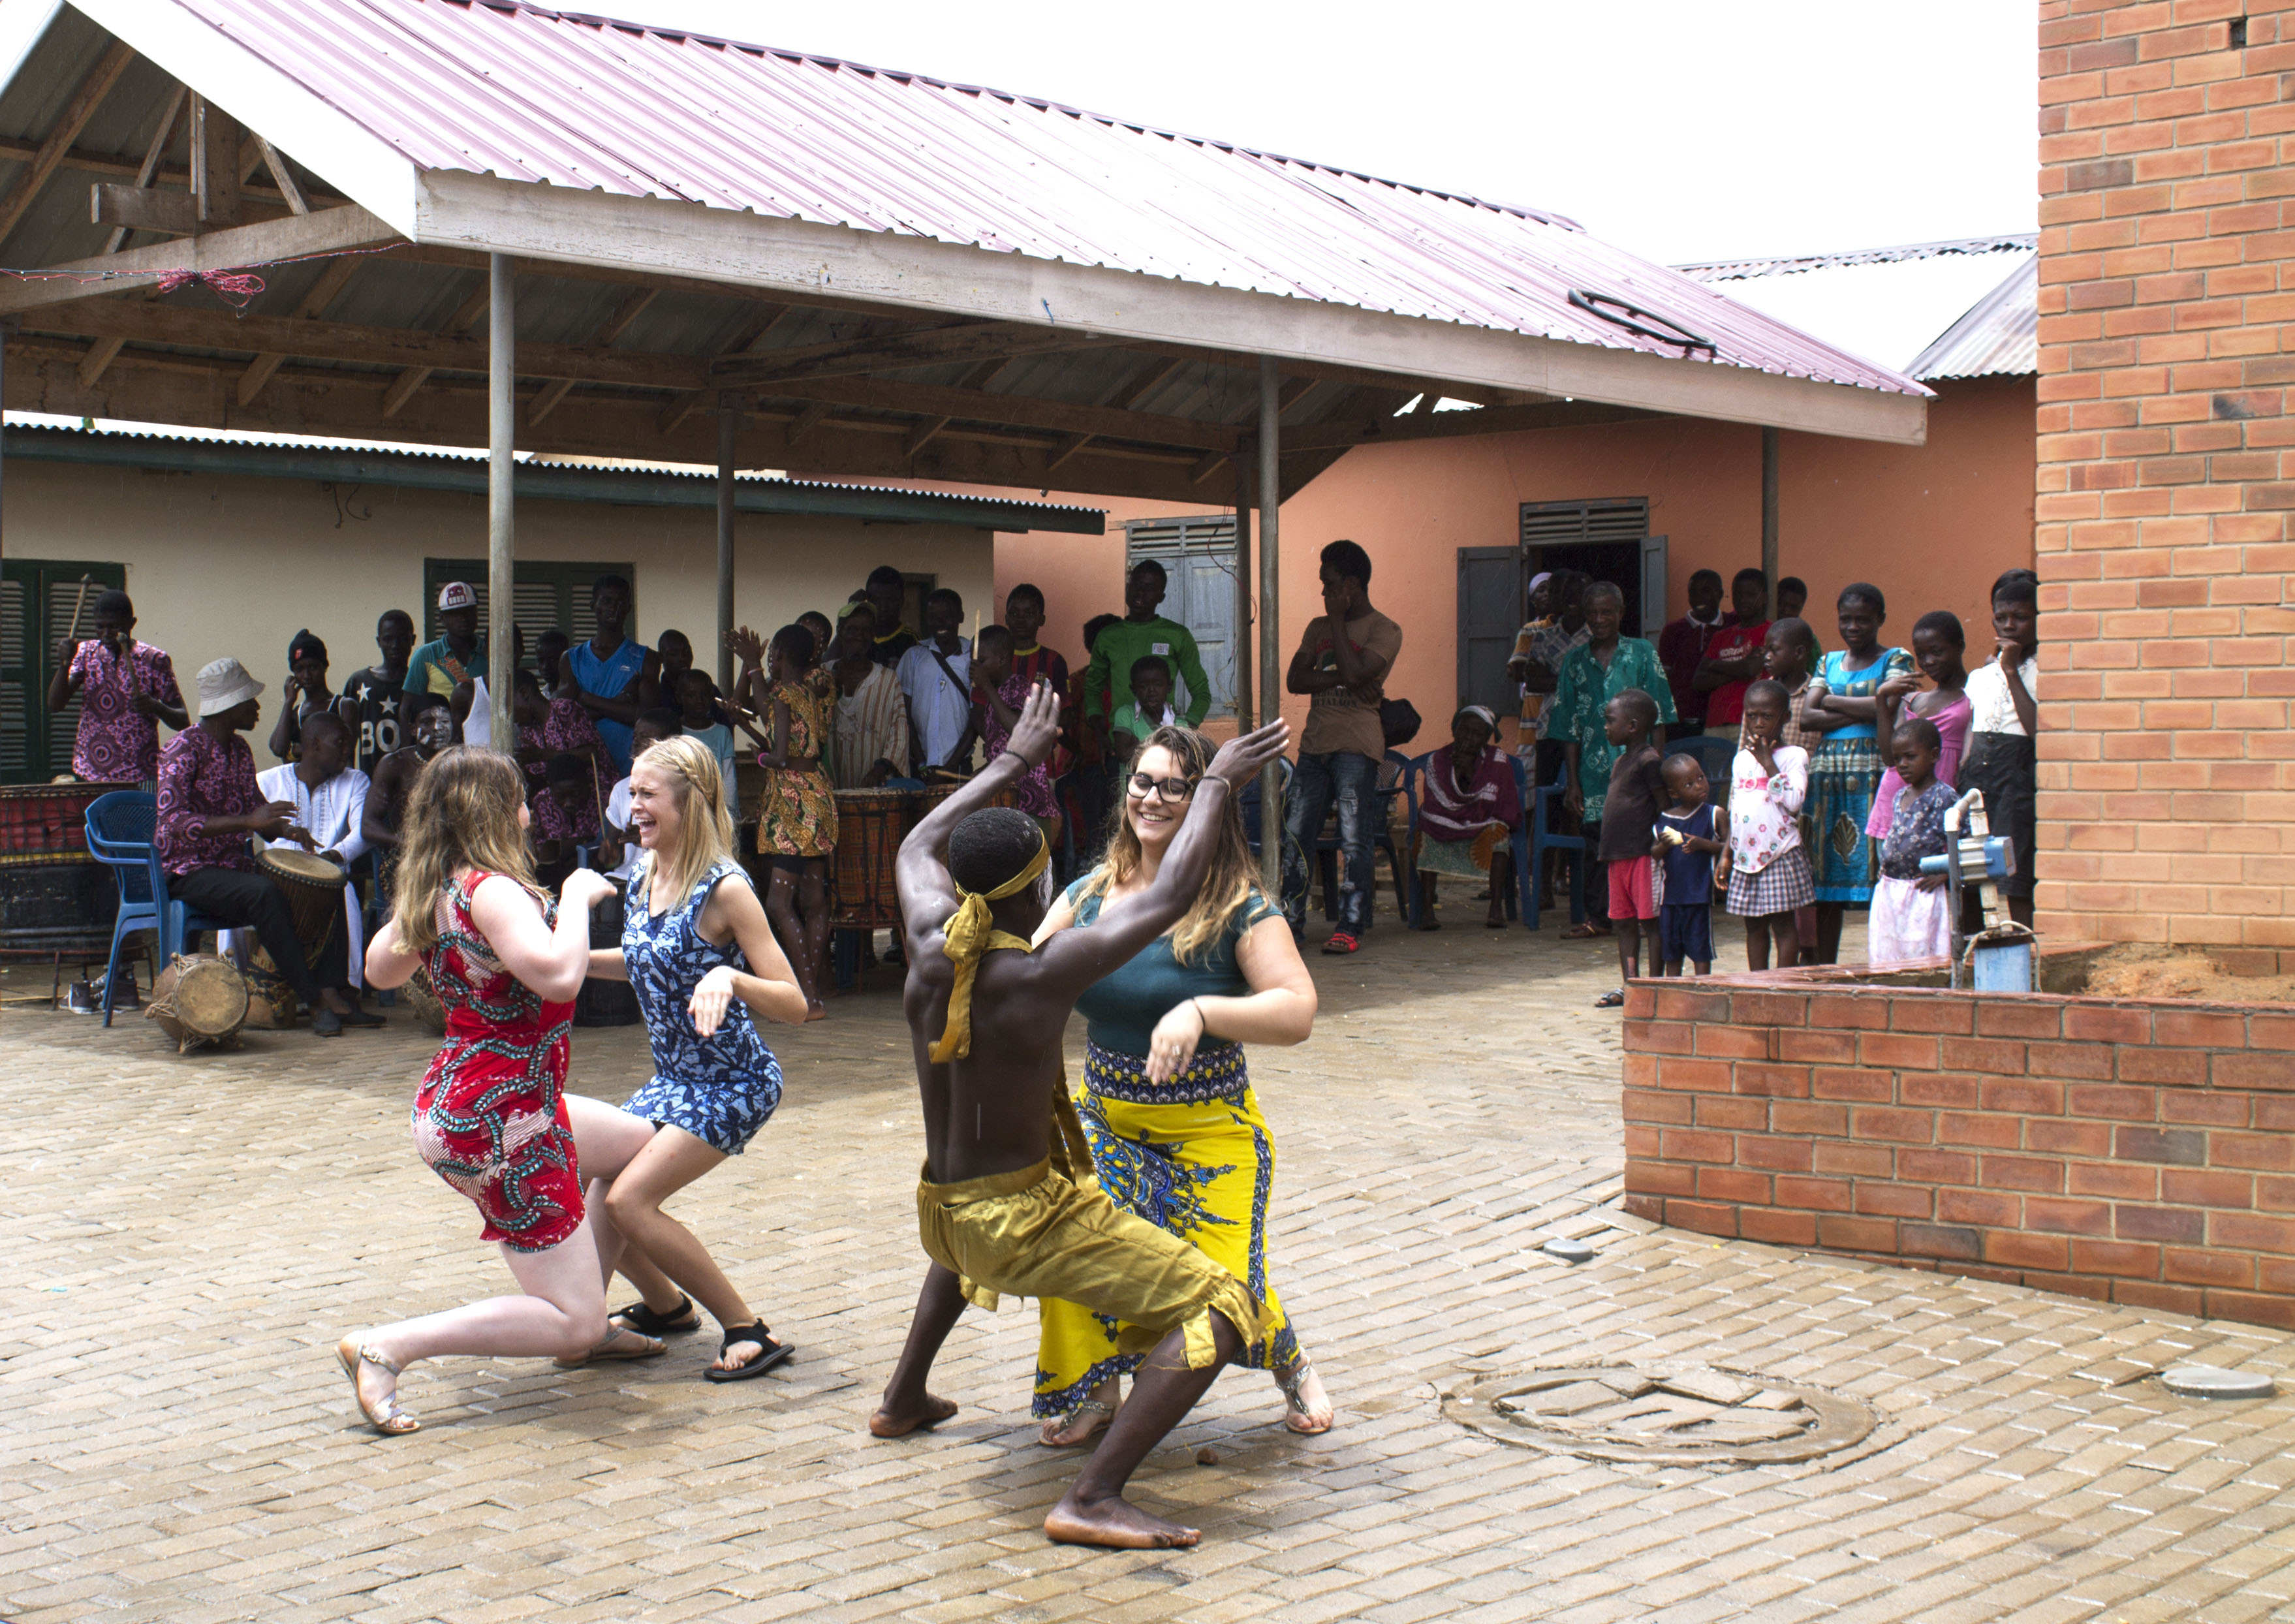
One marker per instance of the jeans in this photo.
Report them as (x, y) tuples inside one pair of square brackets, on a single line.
[(1351, 781), (244, 898)]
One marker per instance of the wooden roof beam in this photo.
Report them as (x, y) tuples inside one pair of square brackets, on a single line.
[(612, 328), (895, 352), (314, 303), (1020, 411), (752, 335), (330, 230), (59, 138), (465, 317)]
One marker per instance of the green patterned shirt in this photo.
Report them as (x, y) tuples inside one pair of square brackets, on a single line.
[(1582, 688)]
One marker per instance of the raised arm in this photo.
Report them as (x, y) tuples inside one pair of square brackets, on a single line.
[(921, 874), (1075, 958)]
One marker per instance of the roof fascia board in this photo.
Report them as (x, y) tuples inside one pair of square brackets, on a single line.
[(460, 209), (23, 24), (353, 159), (539, 482)]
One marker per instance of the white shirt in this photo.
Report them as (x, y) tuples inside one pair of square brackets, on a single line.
[(617, 815), (1992, 707), (334, 814), (1763, 825), (939, 710)]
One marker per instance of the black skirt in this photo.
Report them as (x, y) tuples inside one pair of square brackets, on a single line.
[(2005, 767)]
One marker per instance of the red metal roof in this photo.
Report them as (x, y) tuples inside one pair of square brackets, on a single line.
[(555, 98)]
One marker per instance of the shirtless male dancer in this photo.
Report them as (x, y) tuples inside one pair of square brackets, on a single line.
[(1008, 1201)]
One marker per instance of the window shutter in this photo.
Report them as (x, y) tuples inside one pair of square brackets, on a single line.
[(1616, 519), (1198, 560), (16, 675)]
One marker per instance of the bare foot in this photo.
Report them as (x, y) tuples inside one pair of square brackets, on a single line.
[(884, 1423), (1080, 1424), (816, 1011), (1115, 1523), (1308, 1409)]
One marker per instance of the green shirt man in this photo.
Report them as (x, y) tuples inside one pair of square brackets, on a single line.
[(1107, 682)]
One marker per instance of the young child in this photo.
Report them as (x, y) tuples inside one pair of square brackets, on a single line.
[(1769, 876), (2003, 701), (570, 797), (696, 702), (1000, 691), (1637, 790), (651, 728), (1688, 839), (1939, 644), (1789, 656), (1150, 707), (1910, 910)]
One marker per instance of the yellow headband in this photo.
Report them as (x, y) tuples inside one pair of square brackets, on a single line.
[(969, 936)]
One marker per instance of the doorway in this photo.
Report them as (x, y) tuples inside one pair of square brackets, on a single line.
[(1603, 539)]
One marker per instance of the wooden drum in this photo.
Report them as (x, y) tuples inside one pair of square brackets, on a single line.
[(870, 825), (199, 1000), (313, 886)]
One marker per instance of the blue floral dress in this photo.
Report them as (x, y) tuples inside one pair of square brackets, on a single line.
[(720, 1088)]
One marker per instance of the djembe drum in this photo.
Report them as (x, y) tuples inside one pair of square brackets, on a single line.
[(199, 1000), (313, 886), (869, 825)]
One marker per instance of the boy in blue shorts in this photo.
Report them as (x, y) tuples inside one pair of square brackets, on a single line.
[(1687, 838)]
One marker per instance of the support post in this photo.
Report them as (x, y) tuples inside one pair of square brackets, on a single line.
[(1270, 635), (1769, 513), (1243, 644), (729, 428), (502, 468)]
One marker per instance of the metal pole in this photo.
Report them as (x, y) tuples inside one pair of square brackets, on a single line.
[(1243, 722), (502, 466), (1271, 560), (729, 428), (1769, 513)]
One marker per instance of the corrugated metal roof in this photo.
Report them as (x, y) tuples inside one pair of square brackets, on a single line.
[(563, 478), (490, 86), (1744, 270), (2000, 335)]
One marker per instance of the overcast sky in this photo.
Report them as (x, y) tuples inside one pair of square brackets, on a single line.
[(1678, 129)]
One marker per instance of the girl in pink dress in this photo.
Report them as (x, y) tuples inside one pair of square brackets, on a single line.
[(1940, 646)]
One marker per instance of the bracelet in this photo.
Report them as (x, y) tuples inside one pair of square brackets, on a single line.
[(1202, 1019)]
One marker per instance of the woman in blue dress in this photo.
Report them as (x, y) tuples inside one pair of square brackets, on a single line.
[(698, 951), (1846, 704), (1176, 1133)]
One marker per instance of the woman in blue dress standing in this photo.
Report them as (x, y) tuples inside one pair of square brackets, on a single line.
[(1176, 1133), (1846, 703), (698, 953)]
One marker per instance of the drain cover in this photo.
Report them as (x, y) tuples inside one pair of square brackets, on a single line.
[(2212, 1382), (1677, 1415)]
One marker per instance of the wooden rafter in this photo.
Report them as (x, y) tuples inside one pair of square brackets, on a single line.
[(612, 328), (895, 352), (1020, 411), (465, 317), (925, 433), (805, 421), (313, 304), (330, 231), (752, 335), (65, 130), (152, 155)]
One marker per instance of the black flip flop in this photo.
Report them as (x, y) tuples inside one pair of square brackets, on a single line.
[(775, 1353), (646, 1322)]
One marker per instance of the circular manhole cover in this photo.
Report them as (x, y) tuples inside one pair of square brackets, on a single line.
[(1676, 1415)]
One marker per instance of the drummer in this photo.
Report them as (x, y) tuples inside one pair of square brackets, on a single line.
[(127, 689), (329, 800), (209, 805)]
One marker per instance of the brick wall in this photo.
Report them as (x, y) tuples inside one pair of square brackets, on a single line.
[(2166, 351), (2141, 1153)]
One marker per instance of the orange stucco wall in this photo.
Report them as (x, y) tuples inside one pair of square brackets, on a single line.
[(1929, 525)]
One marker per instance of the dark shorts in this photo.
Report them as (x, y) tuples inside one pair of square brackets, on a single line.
[(1685, 934), (2002, 766)]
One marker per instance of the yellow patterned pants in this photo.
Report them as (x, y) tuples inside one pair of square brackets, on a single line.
[(1195, 1158)]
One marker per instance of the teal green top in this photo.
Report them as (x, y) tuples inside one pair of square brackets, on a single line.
[(1121, 1009)]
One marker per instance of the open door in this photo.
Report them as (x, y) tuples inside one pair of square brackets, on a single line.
[(1653, 604)]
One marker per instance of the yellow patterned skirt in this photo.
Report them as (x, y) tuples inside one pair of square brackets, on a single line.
[(1195, 1158)]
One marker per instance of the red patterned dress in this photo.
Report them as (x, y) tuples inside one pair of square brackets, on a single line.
[(490, 1116)]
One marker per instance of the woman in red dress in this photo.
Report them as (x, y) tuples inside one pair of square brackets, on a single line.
[(493, 1117)]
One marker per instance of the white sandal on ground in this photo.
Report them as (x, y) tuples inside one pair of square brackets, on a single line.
[(1297, 1417), (387, 1418)]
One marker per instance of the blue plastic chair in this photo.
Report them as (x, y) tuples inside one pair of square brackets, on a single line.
[(120, 826), (1518, 842), (1542, 840)]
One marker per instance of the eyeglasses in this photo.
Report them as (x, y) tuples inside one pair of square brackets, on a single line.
[(1171, 789)]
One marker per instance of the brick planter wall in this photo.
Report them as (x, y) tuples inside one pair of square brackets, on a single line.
[(2139, 1153)]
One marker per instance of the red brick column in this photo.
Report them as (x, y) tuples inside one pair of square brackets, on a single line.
[(2166, 344)]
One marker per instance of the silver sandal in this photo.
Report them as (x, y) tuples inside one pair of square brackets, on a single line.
[(388, 1419), (606, 1346), (1293, 1383), (1067, 1419)]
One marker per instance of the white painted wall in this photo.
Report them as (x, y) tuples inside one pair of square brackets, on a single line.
[(236, 565)]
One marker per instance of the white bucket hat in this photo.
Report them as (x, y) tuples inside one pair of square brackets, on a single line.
[(225, 683)]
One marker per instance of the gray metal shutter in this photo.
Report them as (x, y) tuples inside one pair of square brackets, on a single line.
[(1623, 518), (1490, 614)]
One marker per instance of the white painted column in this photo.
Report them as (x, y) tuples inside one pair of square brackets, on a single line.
[(1269, 628), (502, 468)]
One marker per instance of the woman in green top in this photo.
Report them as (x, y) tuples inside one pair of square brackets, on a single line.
[(1176, 1133)]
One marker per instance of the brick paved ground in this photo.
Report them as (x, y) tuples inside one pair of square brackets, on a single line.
[(187, 1238)]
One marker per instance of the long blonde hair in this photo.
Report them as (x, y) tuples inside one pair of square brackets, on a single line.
[(705, 823), (1233, 876), (462, 812)]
